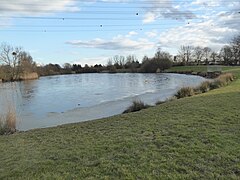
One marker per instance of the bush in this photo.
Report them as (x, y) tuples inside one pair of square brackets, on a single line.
[(221, 81), (136, 106), (8, 122), (217, 83), (155, 64), (228, 77), (184, 92), (204, 87)]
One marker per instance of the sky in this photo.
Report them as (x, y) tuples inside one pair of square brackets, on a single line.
[(92, 31)]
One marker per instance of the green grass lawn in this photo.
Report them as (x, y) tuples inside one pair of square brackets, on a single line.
[(190, 138), (196, 68)]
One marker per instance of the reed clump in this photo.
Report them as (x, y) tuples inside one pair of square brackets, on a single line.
[(185, 92), (222, 80), (137, 105), (8, 122)]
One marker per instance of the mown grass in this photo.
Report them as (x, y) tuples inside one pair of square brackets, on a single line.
[(191, 138), (197, 68)]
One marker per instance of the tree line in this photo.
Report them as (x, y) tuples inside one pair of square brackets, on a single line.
[(228, 55), (15, 62)]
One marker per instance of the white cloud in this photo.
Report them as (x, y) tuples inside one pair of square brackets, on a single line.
[(116, 43), (165, 9), (149, 17), (151, 34), (205, 34), (207, 2), (37, 7), (132, 33)]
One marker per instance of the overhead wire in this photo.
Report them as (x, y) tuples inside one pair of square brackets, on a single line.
[(135, 16)]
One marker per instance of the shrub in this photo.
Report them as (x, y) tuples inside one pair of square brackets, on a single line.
[(136, 106), (8, 122), (204, 87), (217, 83), (155, 64), (228, 77), (221, 81), (184, 92)]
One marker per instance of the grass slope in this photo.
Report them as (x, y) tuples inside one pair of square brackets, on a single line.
[(196, 137), (198, 68)]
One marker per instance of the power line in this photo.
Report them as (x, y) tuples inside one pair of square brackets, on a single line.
[(91, 18), (115, 2), (99, 25), (125, 12), (107, 2), (44, 29), (100, 29), (66, 18)]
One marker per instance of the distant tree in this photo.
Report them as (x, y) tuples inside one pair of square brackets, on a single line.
[(98, 66), (132, 63), (226, 54), (235, 44), (144, 59), (10, 57), (185, 53), (27, 65), (162, 54), (77, 68), (50, 69), (67, 66), (214, 56), (109, 62), (198, 54), (122, 61), (207, 52), (161, 61), (119, 61)]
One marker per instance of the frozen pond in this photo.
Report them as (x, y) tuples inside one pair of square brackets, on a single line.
[(56, 100)]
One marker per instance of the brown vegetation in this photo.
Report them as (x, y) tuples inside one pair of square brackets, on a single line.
[(222, 80), (8, 122), (136, 106), (29, 76)]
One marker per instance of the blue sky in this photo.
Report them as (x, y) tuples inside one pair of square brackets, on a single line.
[(90, 32)]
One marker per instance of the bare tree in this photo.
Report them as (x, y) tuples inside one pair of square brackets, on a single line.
[(10, 56), (145, 59), (119, 61), (198, 54), (226, 54), (236, 49), (67, 66), (27, 65), (185, 53), (162, 54), (214, 57), (110, 62), (207, 52)]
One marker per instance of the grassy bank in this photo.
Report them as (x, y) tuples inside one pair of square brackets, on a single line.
[(195, 137), (198, 68)]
